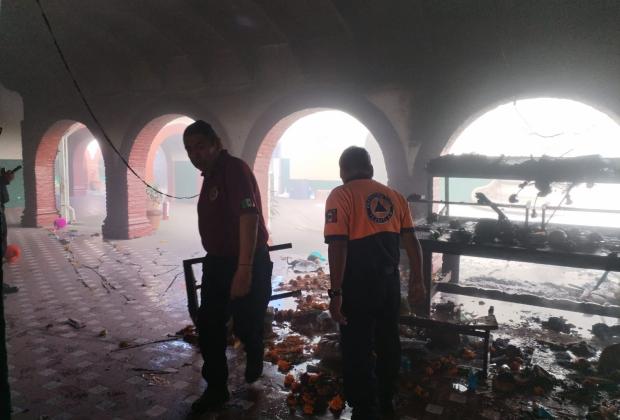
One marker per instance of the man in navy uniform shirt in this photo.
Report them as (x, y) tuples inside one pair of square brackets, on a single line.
[(237, 271)]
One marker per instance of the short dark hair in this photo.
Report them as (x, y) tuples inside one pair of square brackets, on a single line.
[(356, 161), (204, 128)]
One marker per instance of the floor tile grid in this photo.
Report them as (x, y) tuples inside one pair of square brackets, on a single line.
[(68, 289)]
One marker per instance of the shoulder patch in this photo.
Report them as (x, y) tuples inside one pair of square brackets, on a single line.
[(379, 208), (331, 216), (247, 203)]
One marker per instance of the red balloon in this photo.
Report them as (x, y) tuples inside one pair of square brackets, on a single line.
[(13, 252)]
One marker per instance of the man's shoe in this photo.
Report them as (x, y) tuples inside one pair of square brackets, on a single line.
[(210, 400), (253, 368), (6, 289)]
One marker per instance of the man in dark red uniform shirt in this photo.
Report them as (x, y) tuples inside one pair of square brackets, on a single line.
[(237, 270)]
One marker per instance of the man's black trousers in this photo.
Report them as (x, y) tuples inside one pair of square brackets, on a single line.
[(248, 314), (370, 341)]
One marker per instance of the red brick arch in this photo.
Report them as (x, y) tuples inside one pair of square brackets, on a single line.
[(265, 152), (162, 136), (141, 159), (45, 202), (280, 115)]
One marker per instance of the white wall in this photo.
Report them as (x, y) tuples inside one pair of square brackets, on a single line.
[(11, 116)]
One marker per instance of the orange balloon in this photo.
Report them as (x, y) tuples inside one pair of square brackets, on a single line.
[(13, 252)]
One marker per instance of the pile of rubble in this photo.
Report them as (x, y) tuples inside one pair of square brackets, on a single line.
[(292, 350), (315, 393), (306, 338), (310, 283)]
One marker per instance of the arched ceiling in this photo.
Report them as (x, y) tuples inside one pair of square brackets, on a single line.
[(150, 45)]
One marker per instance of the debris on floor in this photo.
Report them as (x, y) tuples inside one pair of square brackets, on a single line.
[(605, 332), (189, 334), (609, 361), (75, 323), (527, 376), (305, 265), (558, 324), (550, 369), (315, 393), (292, 350)]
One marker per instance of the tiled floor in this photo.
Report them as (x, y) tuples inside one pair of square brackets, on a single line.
[(116, 290)]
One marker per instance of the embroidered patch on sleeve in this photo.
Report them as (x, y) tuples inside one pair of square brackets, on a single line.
[(247, 203), (331, 216)]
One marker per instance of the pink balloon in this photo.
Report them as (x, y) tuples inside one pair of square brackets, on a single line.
[(60, 223)]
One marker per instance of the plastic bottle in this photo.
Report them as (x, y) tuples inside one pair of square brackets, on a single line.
[(472, 380)]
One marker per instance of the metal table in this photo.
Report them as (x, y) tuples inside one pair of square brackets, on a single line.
[(479, 327), (598, 261)]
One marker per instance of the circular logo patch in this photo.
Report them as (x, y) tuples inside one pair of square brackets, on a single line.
[(213, 193), (379, 208)]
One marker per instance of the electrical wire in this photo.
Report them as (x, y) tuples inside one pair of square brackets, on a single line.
[(91, 112), (566, 195)]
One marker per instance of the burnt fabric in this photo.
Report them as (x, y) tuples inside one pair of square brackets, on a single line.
[(248, 313), (229, 191)]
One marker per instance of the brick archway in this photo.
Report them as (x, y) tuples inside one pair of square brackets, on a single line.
[(45, 157), (160, 138), (270, 125), (141, 159), (273, 135), (265, 151), (441, 137)]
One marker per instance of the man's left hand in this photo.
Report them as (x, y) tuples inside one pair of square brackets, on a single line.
[(417, 297), (335, 310), (6, 176), (242, 282)]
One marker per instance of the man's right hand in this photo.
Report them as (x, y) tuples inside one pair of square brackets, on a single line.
[(417, 294), (335, 310)]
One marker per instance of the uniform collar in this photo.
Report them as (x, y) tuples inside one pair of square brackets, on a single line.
[(217, 165), (357, 178)]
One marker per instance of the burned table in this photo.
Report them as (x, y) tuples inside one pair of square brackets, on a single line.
[(543, 171), (479, 327), (600, 261)]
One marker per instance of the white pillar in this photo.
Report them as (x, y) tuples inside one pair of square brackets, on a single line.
[(66, 211)]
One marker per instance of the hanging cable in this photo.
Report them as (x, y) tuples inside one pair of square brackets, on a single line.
[(91, 112), (566, 197)]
